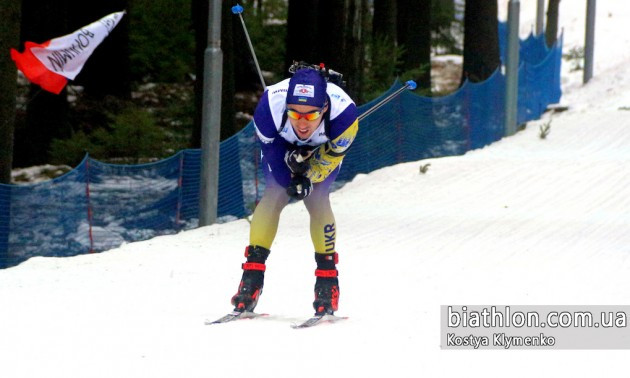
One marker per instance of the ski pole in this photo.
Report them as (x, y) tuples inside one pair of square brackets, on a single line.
[(411, 85), (238, 9)]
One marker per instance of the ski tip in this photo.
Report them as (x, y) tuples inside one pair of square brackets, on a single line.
[(318, 319), (235, 315)]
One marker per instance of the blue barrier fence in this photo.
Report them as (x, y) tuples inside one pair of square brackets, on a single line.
[(100, 206)]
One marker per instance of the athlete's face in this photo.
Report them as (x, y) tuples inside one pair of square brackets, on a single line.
[(302, 126)]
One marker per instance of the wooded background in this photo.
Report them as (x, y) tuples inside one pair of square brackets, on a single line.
[(139, 95)]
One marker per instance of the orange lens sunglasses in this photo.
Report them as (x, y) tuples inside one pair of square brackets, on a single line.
[(310, 116)]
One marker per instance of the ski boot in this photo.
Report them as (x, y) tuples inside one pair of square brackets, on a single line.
[(252, 282), (326, 284)]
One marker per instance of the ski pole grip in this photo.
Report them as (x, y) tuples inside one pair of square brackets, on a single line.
[(411, 85), (303, 155), (237, 9)]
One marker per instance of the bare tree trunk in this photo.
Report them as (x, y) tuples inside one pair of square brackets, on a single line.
[(303, 42), (47, 113), (384, 22), (357, 25), (481, 40), (259, 7), (329, 32), (9, 38), (551, 32), (384, 52), (414, 35), (332, 22)]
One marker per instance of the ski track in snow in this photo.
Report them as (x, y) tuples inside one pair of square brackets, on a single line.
[(523, 221)]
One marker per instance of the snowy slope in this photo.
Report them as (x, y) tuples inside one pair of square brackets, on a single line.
[(524, 221)]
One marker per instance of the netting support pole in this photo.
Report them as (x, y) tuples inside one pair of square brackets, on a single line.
[(180, 187), (211, 119), (589, 40), (89, 203), (5, 224), (511, 69)]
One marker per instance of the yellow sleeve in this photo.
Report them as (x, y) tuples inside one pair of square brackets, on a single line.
[(329, 155)]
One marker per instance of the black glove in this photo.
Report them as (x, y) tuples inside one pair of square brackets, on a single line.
[(299, 187), (297, 160)]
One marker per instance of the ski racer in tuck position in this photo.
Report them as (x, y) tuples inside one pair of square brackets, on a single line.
[(305, 125)]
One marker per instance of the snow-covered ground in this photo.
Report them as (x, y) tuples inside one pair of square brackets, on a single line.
[(525, 221)]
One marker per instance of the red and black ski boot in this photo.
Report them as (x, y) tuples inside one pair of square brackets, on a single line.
[(252, 282), (326, 284)]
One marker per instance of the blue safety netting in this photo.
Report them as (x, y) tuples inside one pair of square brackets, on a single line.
[(533, 49), (99, 206)]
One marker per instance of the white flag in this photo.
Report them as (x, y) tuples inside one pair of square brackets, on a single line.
[(52, 63)]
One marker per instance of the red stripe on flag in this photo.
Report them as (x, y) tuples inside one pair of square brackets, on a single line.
[(35, 71)]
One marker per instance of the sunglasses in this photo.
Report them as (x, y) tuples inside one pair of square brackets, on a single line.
[(309, 116)]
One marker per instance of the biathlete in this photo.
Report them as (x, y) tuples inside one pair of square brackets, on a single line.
[(305, 126)]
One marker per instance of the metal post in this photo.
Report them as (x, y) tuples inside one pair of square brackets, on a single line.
[(589, 41), (211, 119), (511, 69), (540, 17)]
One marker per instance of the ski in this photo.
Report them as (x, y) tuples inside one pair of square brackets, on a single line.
[(318, 319), (313, 321), (234, 315)]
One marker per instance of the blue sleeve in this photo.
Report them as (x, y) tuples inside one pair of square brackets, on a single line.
[(273, 154), (263, 120), (343, 121), (273, 146)]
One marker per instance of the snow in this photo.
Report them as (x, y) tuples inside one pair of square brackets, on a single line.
[(38, 173), (525, 221)]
